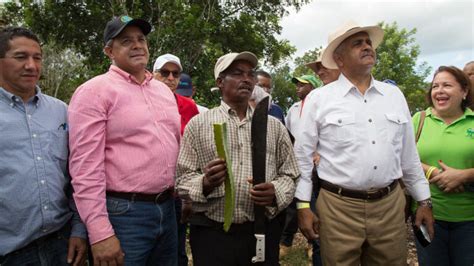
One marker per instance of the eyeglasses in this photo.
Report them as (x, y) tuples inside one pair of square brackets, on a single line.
[(166, 73)]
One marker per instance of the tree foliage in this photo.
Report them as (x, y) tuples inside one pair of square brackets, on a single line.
[(197, 31), (397, 59), (284, 91)]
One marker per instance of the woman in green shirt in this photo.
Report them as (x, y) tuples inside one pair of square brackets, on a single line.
[(446, 149)]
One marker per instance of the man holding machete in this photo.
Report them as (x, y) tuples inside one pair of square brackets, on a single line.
[(201, 174)]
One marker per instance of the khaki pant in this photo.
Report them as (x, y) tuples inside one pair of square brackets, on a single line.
[(362, 232)]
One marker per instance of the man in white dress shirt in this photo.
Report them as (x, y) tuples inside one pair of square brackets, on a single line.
[(362, 130), (304, 85)]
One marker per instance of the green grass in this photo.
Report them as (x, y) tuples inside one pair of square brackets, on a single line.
[(296, 257)]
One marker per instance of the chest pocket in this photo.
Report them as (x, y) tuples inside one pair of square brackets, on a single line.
[(396, 124), (58, 143), (341, 128)]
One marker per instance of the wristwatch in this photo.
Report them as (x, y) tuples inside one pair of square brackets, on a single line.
[(426, 203)]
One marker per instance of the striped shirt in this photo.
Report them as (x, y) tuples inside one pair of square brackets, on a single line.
[(198, 148), (124, 137)]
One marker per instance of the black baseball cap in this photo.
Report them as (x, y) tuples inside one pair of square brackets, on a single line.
[(117, 24)]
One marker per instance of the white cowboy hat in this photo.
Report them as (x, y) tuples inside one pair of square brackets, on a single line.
[(314, 65), (343, 32)]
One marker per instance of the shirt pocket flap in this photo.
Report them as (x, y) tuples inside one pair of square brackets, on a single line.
[(340, 120), (396, 118)]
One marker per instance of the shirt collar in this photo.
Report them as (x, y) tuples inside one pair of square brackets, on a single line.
[(346, 85), (467, 112), (12, 98), (228, 110), (115, 70)]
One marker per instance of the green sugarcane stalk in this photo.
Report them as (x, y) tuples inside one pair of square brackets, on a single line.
[(220, 137)]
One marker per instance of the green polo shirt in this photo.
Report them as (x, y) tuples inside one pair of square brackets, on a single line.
[(454, 145)]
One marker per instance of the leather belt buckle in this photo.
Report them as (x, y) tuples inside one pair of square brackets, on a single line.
[(373, 194)]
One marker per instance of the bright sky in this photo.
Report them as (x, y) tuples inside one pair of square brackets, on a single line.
[(445, 30)]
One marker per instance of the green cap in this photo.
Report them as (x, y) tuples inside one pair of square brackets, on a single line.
[(307, 79)]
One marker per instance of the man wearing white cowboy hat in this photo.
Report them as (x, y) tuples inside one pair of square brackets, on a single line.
[(362, 131), (326, 75)]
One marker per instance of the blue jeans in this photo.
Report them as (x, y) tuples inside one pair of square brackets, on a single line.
[(51, 251), (146, 231), (453, 245)]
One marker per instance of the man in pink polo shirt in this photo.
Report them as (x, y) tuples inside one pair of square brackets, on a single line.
[(124, 142)]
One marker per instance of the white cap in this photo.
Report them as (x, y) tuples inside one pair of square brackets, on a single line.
[(166, 58), (226, 60)]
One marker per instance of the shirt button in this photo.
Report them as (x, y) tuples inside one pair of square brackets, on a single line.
[(339, 121), (42, 182), (29, 116), (45, 230), (375, 167), (12, 104), (45, 207), (16, 100), (365, 101), (370, 120), (34, 135), (38, 158), (373, 141)]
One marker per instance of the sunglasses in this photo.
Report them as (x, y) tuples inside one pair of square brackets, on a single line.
[(166, 73)]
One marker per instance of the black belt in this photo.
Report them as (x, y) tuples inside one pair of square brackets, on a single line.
[(156, 198), (200, 219), (359, 194)]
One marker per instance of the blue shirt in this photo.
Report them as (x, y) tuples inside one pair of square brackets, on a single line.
[(277, 112), (35, 190)]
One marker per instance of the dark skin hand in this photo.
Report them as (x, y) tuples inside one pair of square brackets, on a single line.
[(308, 223), (77, 251), (424, 215), (108, 252), (214, 175), (262, 194)]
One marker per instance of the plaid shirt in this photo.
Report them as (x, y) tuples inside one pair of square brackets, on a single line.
[(198, 148)]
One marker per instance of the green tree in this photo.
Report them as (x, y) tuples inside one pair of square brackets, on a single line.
[(397, 60), (309, 56), (284, 91), (197, 31), (61, 68)]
